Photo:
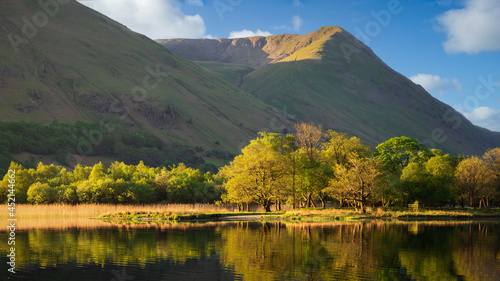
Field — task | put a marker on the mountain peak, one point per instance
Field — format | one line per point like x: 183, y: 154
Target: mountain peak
x: 254, y: 51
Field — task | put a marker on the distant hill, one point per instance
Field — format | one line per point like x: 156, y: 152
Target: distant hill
x: 82, y: 66
x: 330, y: 77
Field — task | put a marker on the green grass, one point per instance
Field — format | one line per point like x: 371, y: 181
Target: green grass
x: 234, y: 73
x: 168, y: 216
x: 308, y: 215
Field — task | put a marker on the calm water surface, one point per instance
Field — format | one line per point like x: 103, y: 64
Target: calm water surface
x: 258, y: 251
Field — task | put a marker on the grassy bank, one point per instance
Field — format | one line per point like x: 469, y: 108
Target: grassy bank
x: 319, y: 214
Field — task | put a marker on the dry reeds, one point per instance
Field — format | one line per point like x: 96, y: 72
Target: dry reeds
x: 96, y: 210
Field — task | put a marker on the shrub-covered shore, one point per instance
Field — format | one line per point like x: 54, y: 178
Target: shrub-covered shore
x: 278, y: 172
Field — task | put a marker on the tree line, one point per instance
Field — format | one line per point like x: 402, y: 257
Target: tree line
x: 313, y: 166
x: 300, y: 170
x: 118, y: 184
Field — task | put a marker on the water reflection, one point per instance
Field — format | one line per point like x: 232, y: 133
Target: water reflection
x: 373, y: 250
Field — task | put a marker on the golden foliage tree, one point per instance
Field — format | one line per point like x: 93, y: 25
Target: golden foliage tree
x: 357, y: 181
x: 258, y: 174
x: 473, y: 178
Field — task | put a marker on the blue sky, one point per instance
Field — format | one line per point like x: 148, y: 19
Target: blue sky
x: 451, y: 48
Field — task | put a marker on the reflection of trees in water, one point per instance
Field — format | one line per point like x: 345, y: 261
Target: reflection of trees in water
x: 267, y: 251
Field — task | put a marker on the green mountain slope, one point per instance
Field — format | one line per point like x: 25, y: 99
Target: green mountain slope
x: 330, y: 77
x: 82, y: 66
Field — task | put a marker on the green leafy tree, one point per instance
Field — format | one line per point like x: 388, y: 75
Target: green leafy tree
x: 81, y: 173
x: 67, y: 194
x: 180, y: 184
x: 428, y: 182
x: 397, y: 153
x: 440, y: 171
x: 98, y: 172
x: 40, y: 193
x: 23, y: 180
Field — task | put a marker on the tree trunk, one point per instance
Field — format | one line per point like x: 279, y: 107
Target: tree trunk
x: 266, y: 205
x: 322, y: 201
x: 308, y: 201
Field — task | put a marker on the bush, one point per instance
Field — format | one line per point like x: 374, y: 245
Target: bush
x: 40, y: 193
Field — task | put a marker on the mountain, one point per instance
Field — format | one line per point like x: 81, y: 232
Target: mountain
x: 330, y: 77
x: 68, y: 63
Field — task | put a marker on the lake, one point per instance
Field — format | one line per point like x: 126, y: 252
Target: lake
x: 372, y: 250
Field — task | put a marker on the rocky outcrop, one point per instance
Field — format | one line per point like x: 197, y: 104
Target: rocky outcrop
x: 25, y: 108
x: 158, y: 118
x: 10, y: 73
x: 95, y: 102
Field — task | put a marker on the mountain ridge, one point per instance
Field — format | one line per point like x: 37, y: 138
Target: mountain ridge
x: 330, y: 77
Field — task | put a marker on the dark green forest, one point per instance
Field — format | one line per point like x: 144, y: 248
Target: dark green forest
x: 63, y: 142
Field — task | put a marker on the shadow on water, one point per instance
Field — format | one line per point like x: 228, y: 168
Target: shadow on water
x: 376, y: 250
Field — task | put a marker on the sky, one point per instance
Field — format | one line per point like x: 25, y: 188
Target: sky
x: 450, y: 47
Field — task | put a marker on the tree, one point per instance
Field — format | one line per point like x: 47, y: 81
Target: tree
x: 309, y: 138
x: 440, y: 173
x: 98, y: 172
x: 473, y: 177
x: 24, y: 179
x: 397, y: 153
x: 492, y: 158
x: 340, y: 149
x: 257, y: 175
x: 356, y: 182
x: 427, y: 182
x: 311, y: 170
x: 181, y: 183
x: 40, y: 193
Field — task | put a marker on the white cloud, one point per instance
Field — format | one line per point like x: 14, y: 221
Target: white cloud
x: 248, y: 33
x: 157, y: 19
x: 198, y: 3
x: 296, y: 3
x: 485, y: 117
x: 435, y: 83
x: 297, y: 22
x: 472, y: 29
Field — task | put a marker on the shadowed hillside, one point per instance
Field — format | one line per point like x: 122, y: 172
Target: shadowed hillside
x: 82, y: 66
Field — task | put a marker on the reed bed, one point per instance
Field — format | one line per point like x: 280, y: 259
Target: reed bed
x: 97, y: 210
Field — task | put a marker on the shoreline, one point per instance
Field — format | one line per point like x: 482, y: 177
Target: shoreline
x: 218, y: 217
